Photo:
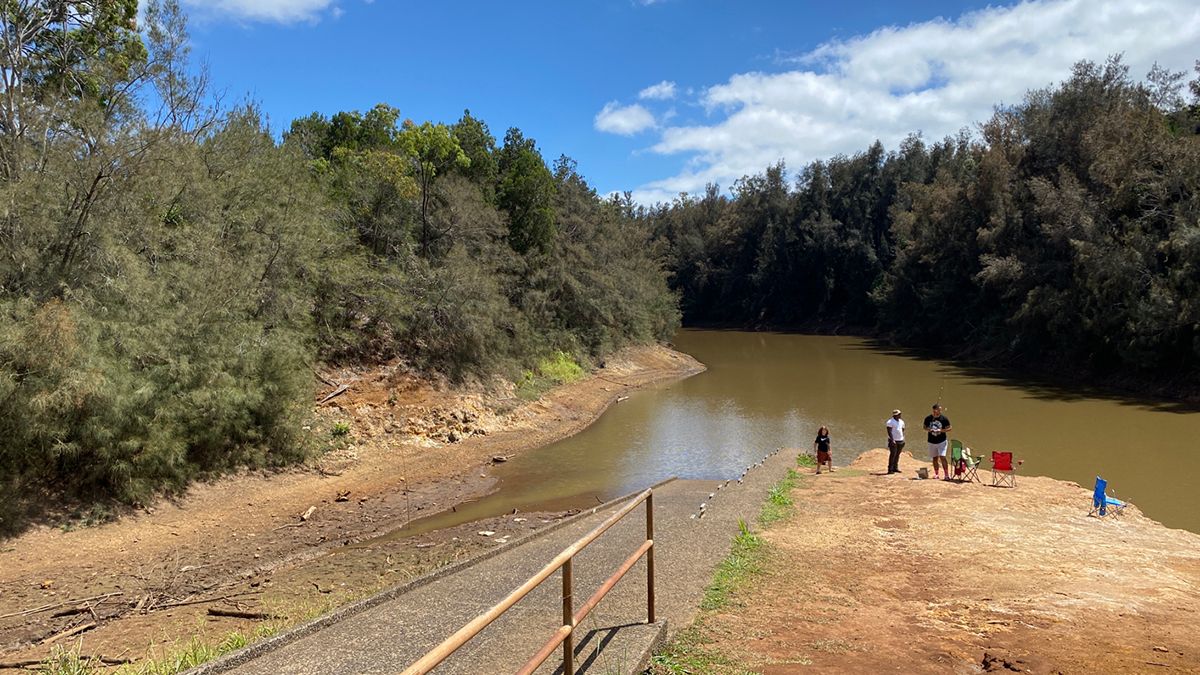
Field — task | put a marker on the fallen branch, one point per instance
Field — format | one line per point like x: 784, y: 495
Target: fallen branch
x: 69, y: 632
x: 234, y: 614
x: 185, y: 603
x: 342, y: 388
x: 46, y: 608
x: 321, y: 377
x: 30, y: 663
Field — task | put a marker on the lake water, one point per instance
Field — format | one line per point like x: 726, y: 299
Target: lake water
x: 763, y: 391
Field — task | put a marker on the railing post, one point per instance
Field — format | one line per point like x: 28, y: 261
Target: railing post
x: 650, y: 558
x: 568, y: 617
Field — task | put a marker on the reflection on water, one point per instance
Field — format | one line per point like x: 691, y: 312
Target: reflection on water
x: 766, y: 390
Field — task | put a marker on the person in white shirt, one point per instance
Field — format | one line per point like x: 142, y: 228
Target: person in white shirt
x: 895, y: 432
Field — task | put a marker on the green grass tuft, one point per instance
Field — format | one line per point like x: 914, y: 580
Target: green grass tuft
x: 559, y: 368
x: 744, y: 561
x: 64, y: 661
x: 689, y: 652
x: 779, y: 501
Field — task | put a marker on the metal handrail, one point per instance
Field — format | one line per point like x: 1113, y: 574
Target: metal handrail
x: 571, y: 618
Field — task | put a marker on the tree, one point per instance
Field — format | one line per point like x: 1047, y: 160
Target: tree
x: 479, y: 145
x: 59, y: 53
x: 526, y: 193
x: 433, y: 150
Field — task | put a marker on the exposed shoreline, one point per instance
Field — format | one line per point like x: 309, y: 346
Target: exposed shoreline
x: 243, y: 534
x: 876, y: 573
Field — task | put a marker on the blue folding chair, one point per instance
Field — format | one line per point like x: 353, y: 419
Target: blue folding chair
x: 1102, y: 504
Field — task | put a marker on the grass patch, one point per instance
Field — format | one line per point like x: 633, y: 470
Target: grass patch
x: 834, y: 646
x: 191, y: 654
x: 177, y: 659
x: 558, y: 368
x: 63, y: 661
x: 744, y: 561
x: 92, y: 515
x: 561, y: 368
x: 690, y: 653
x: 806, y: 460
x: 779, y: 500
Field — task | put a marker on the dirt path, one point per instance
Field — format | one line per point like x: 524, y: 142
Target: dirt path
x: 881, y: 573
x: 413, y: 448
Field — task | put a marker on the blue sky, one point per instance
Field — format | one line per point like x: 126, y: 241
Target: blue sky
x: 739, y: 84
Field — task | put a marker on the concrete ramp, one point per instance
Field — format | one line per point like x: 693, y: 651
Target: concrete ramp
x: 386, y: 633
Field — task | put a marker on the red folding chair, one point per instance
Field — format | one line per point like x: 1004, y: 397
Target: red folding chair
x: 1004, y: 472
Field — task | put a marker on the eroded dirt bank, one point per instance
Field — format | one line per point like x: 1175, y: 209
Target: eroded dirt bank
x: 880, y: 573
x: 413, y: 448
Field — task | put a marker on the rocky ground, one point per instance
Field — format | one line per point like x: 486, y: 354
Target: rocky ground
x: 879, y: 573
x: 290, y: 545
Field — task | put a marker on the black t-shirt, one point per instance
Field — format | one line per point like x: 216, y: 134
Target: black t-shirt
x: 822, y: 443
x: 935, y: 426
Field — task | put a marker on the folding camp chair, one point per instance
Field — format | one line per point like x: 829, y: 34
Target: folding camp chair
x: 965, y: 466
x: 1102, y: 504
x: 1003, y: 470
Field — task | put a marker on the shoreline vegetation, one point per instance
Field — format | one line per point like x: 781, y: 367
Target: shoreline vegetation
x: 861, y: 572
x: 238, y: 543
x: 174, y: 270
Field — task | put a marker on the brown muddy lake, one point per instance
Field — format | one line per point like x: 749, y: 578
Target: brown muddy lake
x: 763, y: 391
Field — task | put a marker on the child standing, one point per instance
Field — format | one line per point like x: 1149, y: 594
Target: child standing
x: 821, y: 444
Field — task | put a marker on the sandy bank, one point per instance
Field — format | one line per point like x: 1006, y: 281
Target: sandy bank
x: 879, y: 573
x: 414, y: 448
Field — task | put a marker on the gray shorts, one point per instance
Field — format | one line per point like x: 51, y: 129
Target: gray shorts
x: 937, y: 449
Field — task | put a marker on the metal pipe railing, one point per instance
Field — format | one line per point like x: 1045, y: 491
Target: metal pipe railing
x: 570, y: 618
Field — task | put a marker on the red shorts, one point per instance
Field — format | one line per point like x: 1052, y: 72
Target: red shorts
x: 823, y: 456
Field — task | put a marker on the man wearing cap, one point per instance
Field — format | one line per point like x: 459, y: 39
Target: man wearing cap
x: 937, y: 425
x: 895, y: 432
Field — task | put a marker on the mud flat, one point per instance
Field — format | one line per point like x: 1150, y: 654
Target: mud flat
x: 145, y: 584
x: 878, y: 573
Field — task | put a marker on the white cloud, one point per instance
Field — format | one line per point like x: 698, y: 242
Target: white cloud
x: 624, y: 120
x: 663, y: 91
x: 935, y: 77
x: 278, y: 11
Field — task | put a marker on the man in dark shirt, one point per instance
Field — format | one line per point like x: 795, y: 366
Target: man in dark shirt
x: 937, y: 425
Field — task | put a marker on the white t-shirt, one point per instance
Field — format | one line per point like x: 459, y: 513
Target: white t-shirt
x: 897, y: 427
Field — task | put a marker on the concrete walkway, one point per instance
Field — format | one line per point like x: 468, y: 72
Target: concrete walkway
x: 386, y: 633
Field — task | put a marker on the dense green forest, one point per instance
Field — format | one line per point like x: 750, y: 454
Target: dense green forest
x: 1066, y: 231
x: 170, y: 270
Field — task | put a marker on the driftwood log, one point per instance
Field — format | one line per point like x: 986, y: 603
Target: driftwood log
x: 69, y: 632
x: 235, y: 614
x: 31, y: 663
